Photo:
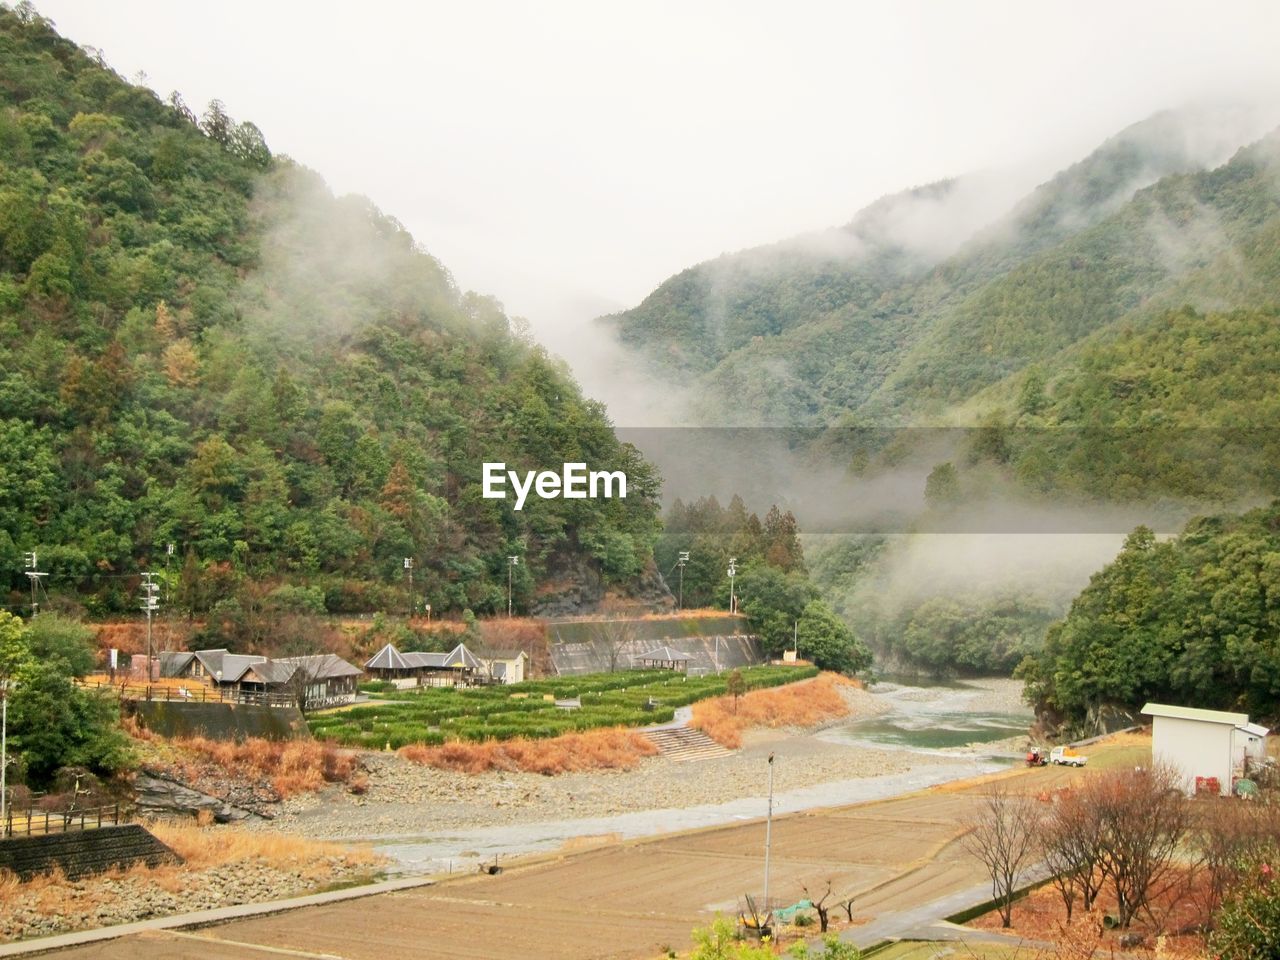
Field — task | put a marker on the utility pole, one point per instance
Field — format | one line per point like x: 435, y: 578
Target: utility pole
x: 684, y: 558
x: 149, y: 606
x: 4, y: 757
x: 768, y: 837
x: 733, y: 572
x: 408, y: 568
x: 34, y: 574
x: 512, y: 563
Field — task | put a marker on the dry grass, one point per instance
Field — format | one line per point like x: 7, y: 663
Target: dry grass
x: 202, y: 847
x: 291, y: 766
x: 615, y: 748
x: 804, y: 704
x: 297, y: 863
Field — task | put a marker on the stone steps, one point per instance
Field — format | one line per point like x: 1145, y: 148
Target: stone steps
x: 684, y: 744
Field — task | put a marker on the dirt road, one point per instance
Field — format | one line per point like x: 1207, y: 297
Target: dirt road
x: 632, y: 900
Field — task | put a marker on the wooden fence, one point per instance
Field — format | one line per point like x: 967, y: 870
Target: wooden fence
x: 189, y: 694
x: 32, y: 822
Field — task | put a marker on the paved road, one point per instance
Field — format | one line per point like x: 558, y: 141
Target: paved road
x: 901, y: 859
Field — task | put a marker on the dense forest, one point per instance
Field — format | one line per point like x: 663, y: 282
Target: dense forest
x: 1192, y: 620
x: 201, y: 346
x: 770, y: 585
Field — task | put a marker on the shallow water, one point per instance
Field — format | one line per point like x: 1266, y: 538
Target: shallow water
x: 928, y: 718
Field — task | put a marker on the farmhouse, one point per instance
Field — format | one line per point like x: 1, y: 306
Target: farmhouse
x: 1207, y: 748
x: 320, y: 680
x: 458, y: 667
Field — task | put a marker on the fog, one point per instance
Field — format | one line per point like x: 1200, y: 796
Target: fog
x: 571, y: 153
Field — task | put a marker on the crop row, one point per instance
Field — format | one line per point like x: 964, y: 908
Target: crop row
x: 634, y: 698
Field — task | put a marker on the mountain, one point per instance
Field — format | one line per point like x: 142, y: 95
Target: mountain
x: 201, y: 346
x: 927, y: 303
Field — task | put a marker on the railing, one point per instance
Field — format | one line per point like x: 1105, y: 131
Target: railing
x: 33, y: 823
x: 191, y: 694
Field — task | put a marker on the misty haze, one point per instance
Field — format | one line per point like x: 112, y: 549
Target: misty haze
x: 630, y: 480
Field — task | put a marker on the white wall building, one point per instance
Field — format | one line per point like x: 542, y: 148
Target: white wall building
x: 1195, y: 743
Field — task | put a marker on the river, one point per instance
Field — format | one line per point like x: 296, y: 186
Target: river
x: 943, y: 720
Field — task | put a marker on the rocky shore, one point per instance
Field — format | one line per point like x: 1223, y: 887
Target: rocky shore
x: 403, y: 796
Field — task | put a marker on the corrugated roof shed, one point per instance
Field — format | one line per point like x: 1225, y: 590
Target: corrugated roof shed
x: 1195, y: 713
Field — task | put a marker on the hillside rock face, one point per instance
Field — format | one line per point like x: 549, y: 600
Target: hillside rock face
x: 577, y: 589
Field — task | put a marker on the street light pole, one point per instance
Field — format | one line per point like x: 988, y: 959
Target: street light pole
x: 733, y: 572
x: 4, y: 757
x: 512, y: 563
x: 149, y: 605
x: 684, y: 558
x: 768, y: 836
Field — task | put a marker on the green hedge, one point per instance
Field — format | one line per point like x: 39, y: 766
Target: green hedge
x: 434, y: 714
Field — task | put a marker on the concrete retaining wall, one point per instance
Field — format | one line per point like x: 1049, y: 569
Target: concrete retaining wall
x: 219, y: 721
x: 79, y: 853
x: 595, y: 656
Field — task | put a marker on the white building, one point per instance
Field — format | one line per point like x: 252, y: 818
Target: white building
x: 1197, y: 744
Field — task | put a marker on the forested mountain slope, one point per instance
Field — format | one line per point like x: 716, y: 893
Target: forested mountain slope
x: 1193, y: 620
x: 200, y: 345
x: 1136, y: 220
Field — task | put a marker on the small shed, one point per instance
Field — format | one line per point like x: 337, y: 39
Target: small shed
x: 664, y: 658
x: 1198, y: 744
x: 505, y: 666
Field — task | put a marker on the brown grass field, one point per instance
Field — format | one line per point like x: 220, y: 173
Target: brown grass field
x: 614, y: 748
x: 289, y: 766
x: 804, y: 704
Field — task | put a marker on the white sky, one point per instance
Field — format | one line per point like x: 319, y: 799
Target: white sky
x: 568, y: 156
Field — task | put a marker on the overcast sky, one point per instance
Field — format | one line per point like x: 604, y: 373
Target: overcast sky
x: 568, y: 156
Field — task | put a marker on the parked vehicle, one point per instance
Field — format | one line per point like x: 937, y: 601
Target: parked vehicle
x: 1037, y: 757
x: 1067, y: 757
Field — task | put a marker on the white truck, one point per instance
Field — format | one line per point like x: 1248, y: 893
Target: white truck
x: 1067, y: 757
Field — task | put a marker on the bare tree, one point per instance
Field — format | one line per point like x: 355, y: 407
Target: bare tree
x: 612, y: 636
x: 1073, y: 849
x: 1002, y: 833
x: 1225, y: 834
x: 1144, y: 820
x: 824, y: 911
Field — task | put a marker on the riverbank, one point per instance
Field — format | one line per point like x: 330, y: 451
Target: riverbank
x: 403, y: 799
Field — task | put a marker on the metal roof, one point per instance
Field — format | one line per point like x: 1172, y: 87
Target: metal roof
x: 1254, y: 729
x: 664, y: 653
x: 1195, y: 713
x: 388, y: 658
